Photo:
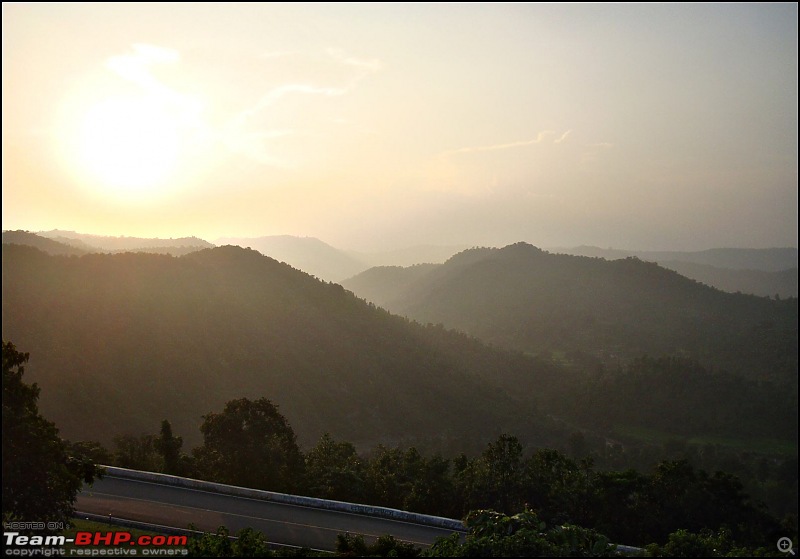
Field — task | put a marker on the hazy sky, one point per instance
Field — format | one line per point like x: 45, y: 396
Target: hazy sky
x: 380, y: 126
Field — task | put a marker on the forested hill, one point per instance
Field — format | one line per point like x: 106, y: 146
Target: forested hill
x: 765, y: 272
x: 42, y: 243
x: 119, y: 342
x: 575, y: 308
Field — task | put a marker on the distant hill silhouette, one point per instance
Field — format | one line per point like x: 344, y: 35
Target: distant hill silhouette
x: 329, y: 263
x: 764, y: 272
x: 754, y: 282
x: 523, y: 298
x: 102, y: 243
x: 308, y: 254
x: 410, y: 256
x: 766, y: 259
x: 119, y: 342
x: 384, y: 284
x: 49, y: 246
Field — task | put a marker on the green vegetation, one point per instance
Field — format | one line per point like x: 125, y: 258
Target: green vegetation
x: 348, y: 545
x: 681, y: 397
x: 249, y: 433
x: 769, y: 447
x: 41, y: 474
x: 246, y: 543
x: 625, y: 505
x: 492, y: 534
x: 251, y: 444
x: 594, y: 310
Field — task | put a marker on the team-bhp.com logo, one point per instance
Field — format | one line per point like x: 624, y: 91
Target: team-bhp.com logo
x: 95, y: 544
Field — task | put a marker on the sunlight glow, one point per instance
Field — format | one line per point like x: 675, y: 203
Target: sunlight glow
x: 130, y: 144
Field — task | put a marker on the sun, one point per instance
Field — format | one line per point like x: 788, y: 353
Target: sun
x: 131, y: 145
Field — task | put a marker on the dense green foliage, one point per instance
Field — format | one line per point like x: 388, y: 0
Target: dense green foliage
x: 246, y: 543
x: 334, y: 470
x: 492, y: 534
x: 523, y: 298
x: 41, y: 473
x: 353, y: 545
x: 683, y: 398
x: 250, y: 444
x: 169, y: 447
x: 627, y: 506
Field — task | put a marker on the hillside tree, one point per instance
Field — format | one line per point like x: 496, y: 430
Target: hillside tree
x: 252, y: 445
x: 42, y: 474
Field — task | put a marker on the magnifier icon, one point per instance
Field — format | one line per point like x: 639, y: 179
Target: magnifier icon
x: 785, y: 546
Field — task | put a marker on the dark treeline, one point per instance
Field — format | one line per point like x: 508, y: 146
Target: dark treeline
x: 679, y: 396
x: 558, y: 502
x: 251, y: 444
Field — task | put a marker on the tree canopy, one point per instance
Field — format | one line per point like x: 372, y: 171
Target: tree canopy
x: 250, y: 444
x: 41, y: 473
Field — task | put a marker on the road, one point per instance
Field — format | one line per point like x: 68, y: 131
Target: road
x: 282, y: 523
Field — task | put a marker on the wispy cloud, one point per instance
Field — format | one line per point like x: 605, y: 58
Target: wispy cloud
x: 562, y: 137
x: 540, y: 137
x: 240, y: 139
x: 136, y: 67
x: 251, y: 131
x: 368, y: 65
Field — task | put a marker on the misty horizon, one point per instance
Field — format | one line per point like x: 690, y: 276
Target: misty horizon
x: 229, y: 239
x: 377, y: 127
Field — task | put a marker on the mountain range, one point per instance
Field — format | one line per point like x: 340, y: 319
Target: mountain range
x: 764, y: 272
x: 766, y: 259
x: 581, y: 309
x: 120, y: 341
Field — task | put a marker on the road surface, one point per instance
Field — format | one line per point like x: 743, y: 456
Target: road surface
x: 282, y: 523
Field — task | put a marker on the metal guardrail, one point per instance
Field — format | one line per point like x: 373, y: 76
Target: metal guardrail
x: 299, y: 500
x: 342, y: 506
